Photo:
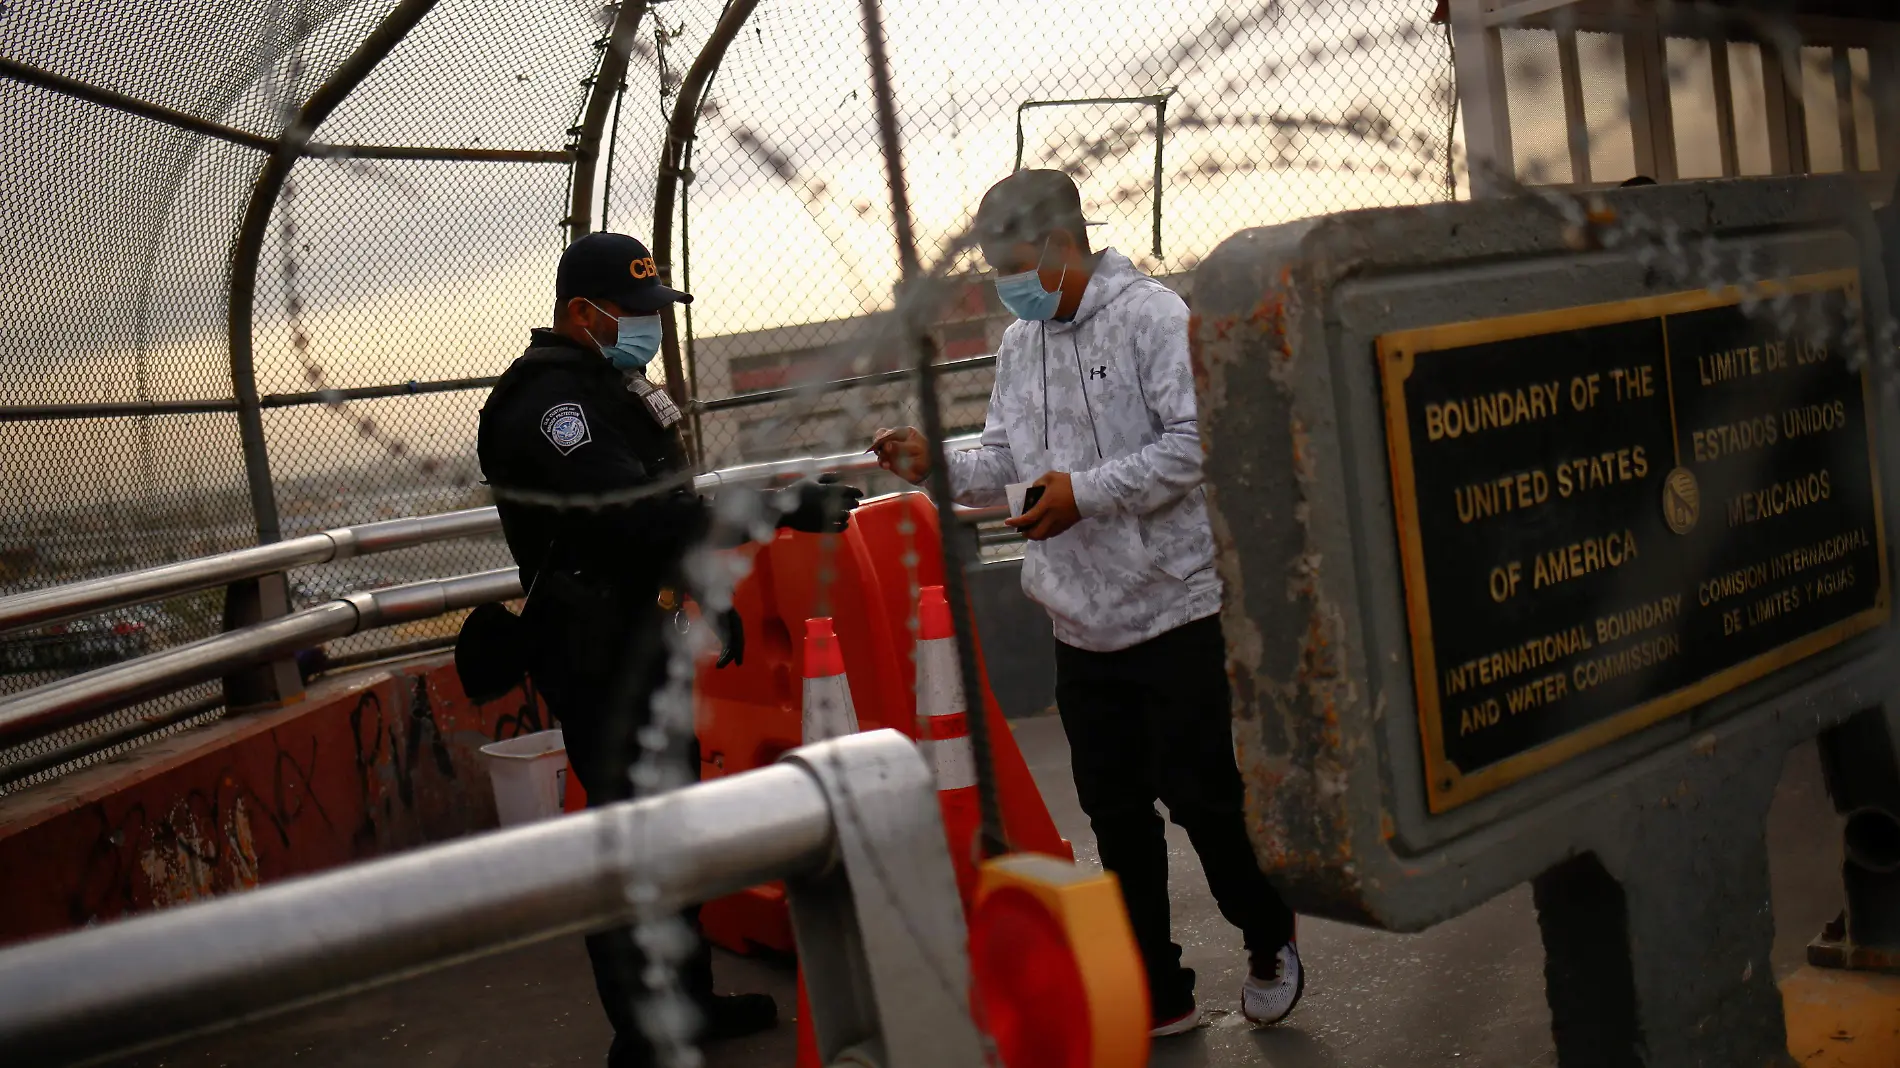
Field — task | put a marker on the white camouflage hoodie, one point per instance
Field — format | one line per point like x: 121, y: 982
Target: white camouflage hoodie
x: 1109, y: 398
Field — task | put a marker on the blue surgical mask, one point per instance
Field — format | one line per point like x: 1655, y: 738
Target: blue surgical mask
x: 1023, y: 294
x: 636, y: 344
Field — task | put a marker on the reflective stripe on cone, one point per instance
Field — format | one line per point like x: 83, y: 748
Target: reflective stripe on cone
x: 944, y: 726
x: 828, y: 711
x: 947, y: 738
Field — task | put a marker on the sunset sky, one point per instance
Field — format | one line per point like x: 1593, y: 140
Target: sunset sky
x: 432, y: 270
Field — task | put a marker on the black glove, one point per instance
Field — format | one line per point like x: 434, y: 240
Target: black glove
x: 824, y: 506
x: 731, y: 631
x: 489, y: 653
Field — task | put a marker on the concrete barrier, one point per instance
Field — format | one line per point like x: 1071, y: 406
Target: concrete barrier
x: 1383, y: 786
x: 371, y: 763
x: 378, y: 761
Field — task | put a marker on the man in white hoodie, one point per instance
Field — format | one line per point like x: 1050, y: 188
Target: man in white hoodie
x: 1094, y: 402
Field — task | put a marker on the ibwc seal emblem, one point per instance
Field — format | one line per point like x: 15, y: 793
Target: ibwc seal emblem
x: 565, y: 425
x: 1682, y: 500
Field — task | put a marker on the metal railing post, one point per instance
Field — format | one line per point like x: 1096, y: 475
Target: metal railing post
x: 1861, y: 762
x: 273, y: 683
x: 680, y: 130
x: 880, y: 934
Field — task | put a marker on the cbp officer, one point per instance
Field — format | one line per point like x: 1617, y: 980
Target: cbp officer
x: 597, y: 506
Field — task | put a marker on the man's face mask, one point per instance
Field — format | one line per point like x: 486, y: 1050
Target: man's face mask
x: 636, y: 343
x: 1023, y: 294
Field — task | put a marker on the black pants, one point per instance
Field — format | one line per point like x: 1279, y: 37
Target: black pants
x: 601, y: 713
x: 1153, y: 722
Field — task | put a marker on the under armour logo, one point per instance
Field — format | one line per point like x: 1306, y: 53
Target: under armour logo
x: 1099, y: 372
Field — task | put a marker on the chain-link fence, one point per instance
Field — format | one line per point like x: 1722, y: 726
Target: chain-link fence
x: 404, y: 257
x: 786, y: 230
x: 394, y: 269
x: 207, y: 349
x: 399, y: 262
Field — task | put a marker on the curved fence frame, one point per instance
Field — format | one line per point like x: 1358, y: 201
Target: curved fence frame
x: 297, y: 142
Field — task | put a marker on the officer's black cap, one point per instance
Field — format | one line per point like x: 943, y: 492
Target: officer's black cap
x: 613, y: 267
x: 1027, y: 207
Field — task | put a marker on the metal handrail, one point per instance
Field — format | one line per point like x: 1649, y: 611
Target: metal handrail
x: 51, y: 707
x: 44, y: 709
x: 830, y: 820
x: 56, y: 604
x: 121, y: 985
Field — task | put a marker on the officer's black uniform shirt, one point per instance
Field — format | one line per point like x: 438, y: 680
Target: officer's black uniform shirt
x: 563, y: 421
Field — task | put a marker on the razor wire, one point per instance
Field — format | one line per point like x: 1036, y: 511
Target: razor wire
x: 1585, y: 222
x: 809, y: 297
x: 324, y: 326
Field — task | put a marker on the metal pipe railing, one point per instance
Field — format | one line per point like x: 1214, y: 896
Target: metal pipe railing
x: 126, y: 985
x: 59, y: 603
x: 56, y: 604
x: 839, y: 463
x: 45, y: 709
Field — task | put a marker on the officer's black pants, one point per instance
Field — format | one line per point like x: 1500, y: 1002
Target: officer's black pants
x: 600, y: 718
x: 1154, y: 721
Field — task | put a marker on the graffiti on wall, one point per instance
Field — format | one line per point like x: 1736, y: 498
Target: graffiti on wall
x: 385, y: 764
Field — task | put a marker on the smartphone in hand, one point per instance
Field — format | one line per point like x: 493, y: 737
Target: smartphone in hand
x: 1031, y: 496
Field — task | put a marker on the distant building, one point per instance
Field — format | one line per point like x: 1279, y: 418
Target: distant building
x: 729, y: 367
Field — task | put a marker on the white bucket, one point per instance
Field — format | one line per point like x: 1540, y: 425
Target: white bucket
x: 529, y: 774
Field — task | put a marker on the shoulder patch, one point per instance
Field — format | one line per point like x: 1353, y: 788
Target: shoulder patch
x: 565, y: 425
x: 659, y: 405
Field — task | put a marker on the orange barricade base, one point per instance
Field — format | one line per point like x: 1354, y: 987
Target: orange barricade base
x: 749, y: 714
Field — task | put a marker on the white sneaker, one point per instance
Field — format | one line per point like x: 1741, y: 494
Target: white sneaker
x: 1179, y: 1025
x: 1267, y: 1001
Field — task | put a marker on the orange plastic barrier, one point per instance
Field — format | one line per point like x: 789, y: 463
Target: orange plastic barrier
x: 1053, y: 963
x: 749, y: 714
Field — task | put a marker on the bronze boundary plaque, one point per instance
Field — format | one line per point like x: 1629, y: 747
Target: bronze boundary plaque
x: 1627, y: 340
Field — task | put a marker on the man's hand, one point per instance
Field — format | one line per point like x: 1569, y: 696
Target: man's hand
x: 1054, y: 512
x: 904, y: 452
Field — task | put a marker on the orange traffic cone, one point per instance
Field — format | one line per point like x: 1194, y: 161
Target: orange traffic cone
x: 829, y: 713
x: 944, y: 724
x: 807, y: 1037
x: 828, y: 709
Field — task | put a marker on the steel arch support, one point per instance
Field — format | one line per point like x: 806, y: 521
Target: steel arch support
x: 600, y: 97
x: 680, y: 131
x: 276, y: 682
x: 249, y: 244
